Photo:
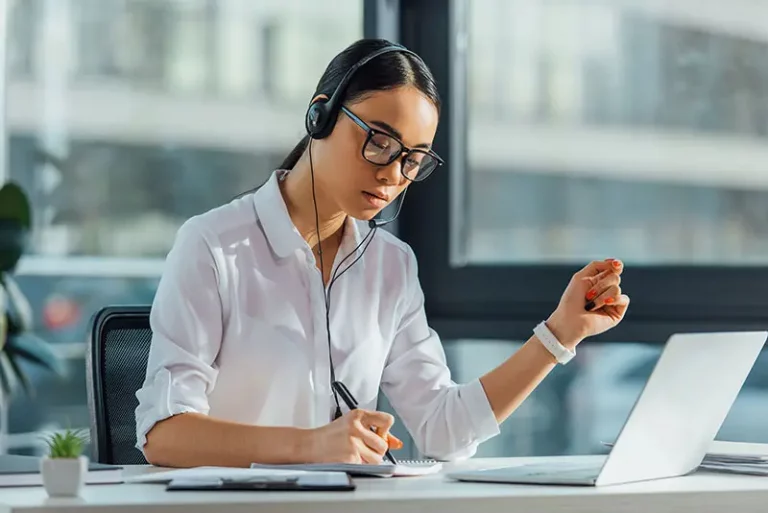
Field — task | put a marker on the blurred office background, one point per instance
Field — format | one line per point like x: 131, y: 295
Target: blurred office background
x: 593, y: 128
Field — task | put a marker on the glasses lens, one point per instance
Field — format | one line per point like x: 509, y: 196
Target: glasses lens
x: 418, y: 165
x: 381, y: 149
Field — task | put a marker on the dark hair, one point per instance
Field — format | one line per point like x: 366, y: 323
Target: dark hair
x: 387, y: 71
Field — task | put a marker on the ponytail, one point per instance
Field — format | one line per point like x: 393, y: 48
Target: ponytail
x: 289, y: 162
x: 295, y: 154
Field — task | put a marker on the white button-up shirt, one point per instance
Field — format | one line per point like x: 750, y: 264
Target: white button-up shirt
x: 238, y: 332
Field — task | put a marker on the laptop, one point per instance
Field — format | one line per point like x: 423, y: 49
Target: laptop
x: 672, y: 424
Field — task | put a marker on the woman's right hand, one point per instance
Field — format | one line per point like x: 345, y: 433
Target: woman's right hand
x: 350, y: 439
x: 592, y: 303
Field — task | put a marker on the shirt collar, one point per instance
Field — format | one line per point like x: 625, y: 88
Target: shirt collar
x: 279, y: 229
x: 352, y: 239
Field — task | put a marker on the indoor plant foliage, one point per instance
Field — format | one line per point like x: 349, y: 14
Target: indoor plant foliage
x: 64, y: 467
x: 17, y: 342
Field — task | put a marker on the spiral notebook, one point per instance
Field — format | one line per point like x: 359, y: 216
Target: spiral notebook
x: 402, y: 469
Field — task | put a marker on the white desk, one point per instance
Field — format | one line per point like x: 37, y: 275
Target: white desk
x: 700, y: 493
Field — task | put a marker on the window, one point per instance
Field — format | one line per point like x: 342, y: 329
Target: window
x: 124, y: 119
x: 575, y: 131
x: 572, y: 130
x: 631, y: 78
x: 584, y: 404
x: 601, y: 128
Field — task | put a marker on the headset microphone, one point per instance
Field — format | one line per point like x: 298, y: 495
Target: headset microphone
x: 378, y: 223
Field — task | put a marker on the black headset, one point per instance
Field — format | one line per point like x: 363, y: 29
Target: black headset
x: 322, y: 114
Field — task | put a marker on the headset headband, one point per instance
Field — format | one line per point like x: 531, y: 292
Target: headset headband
x: 321, y: 115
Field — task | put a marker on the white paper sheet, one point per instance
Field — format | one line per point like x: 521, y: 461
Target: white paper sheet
x: 415, y: 468
x: 207, y: 473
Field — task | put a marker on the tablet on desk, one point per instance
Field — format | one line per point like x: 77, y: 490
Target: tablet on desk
x: 314, y: 482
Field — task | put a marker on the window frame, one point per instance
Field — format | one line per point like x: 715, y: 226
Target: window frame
x: 505, y: 301
x: 4, y: 142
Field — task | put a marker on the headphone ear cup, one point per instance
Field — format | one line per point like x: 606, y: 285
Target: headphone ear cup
x: 317, y: 120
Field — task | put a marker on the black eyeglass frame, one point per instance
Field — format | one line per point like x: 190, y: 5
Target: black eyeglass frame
x: 404, y: 152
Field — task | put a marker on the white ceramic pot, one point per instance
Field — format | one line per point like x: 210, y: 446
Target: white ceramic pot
x: 63, y: 477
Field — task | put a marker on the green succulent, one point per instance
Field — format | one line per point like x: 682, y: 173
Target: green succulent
x: 67, y: 444
x: 17, y: 340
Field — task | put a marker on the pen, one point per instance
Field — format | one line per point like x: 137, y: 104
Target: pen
x: 346, y: 396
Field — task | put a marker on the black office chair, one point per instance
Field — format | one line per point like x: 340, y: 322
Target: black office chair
x: 116, y: 362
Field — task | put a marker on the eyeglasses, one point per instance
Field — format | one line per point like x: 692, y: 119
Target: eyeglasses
x: 382, y: 148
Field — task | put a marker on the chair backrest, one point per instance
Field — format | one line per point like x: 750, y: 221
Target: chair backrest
x: 117, y: 355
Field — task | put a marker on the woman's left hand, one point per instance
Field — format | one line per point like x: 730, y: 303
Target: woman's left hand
x: 592, y: 303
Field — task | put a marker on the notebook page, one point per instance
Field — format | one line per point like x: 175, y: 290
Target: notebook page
x: 417, y: 468
x: 403, y: 468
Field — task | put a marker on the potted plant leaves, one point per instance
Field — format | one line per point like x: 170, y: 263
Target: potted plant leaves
x: 64, y: 467
x: 18, y: 343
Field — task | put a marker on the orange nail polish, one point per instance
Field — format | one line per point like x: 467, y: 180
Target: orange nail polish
x: 394, y: 442
x: 609, y: 300
x: 592, y: 294
x: 616, y: 263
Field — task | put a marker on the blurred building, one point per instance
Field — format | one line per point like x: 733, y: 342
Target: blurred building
x: 617, y: 127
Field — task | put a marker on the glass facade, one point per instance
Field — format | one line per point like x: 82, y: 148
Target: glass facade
x: 124, y: 119
x: 594, y: 129
x: 615, y: 128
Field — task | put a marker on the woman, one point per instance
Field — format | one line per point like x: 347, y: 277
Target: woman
x: 268, y: 300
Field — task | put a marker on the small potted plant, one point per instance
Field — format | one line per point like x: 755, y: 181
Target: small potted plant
x: 64, y: 467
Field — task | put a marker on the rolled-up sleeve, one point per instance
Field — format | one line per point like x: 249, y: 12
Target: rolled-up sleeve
x: 447, y: 420
x: 186, y: 323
